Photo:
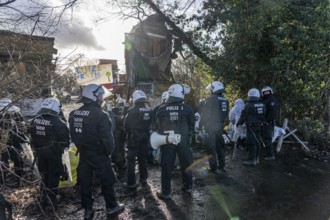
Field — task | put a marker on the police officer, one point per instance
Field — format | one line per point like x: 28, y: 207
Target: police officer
x: 90, y: 129
x: 153, y: 120
x: 271, y: 117
x: 253, y: 115
x: 214, y: 113
x: 49, y: 137
x: 118, y: 155
x: 137, y: 125
x: 176, y: 116
x: 164, y: 98
x: 112, y: 116
x: 12, y: 132
x: 153, y: 155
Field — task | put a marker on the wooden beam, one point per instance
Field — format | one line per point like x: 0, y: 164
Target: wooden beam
x: 302, y: 143
x: 291, y: 132
x: 286, y: 128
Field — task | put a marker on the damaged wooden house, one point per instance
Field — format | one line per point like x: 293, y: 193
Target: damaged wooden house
x: 148, y: 49
x: 26, y: 64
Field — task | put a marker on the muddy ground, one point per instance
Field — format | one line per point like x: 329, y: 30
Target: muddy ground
x: 292, y: 187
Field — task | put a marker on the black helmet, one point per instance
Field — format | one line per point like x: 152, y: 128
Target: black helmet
x: 266, y: 90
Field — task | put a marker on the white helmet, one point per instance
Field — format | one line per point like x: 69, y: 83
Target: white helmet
x: 5, y: 102
x: 13, y: 109
x: 216, y: 87
x: 177, y: 91
x: 50, y: 106
x: 253, y: 94
x: 110, y: 106
x: 266, y: 90
x: 139, y: 96
x: 120, y: 101
x: 164, y: 96
x: 94, y: 93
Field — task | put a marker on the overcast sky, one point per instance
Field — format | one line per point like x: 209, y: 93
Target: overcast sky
x: 97, y: 40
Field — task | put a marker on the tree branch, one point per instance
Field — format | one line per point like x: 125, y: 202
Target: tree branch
x: 7, y: 3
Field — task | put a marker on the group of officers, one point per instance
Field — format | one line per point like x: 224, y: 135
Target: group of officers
x: 100, y: 140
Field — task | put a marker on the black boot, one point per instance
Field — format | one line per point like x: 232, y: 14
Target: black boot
x: 250, y: 163
x: 89, y: 214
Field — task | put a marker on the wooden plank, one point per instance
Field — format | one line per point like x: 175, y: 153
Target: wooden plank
x: 291, y: 132
x: 302, y: 143
x: 280, y: 141
x: 294, y: 142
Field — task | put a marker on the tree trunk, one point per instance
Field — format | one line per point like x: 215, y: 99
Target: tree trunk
x: 328, y: 112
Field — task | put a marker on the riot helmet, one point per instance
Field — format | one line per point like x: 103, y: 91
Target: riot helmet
x: 6, y: 105
x: 216, y: 87
x: 110, y: 106
x: 176, y: 92
x: 253, y: 95
x: 266, y: 90
x: 50, y: 106
x: 164, y: 96
x: 5, y: 102
x: 139, y: 96
x: 94, y: 93
x: 120, y: 102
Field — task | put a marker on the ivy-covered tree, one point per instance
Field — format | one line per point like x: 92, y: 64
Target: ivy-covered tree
x: 283, y: 44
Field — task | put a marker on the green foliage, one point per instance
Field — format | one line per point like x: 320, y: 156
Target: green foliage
x: 313, y: 131
x: 196, y: 74
x: 283, y: 44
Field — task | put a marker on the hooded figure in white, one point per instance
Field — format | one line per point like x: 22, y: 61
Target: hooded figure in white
x: 234, y: 115
x: 236, y: 111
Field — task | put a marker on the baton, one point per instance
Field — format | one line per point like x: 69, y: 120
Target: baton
x: 226, y: 133
x: 255, y: 137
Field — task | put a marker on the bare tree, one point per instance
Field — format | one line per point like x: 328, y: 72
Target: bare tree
x: 26, y: 50
x: 27, y: 66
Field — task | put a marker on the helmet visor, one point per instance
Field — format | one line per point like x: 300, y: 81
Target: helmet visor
x: 186, y: 89
x: 209, y: 87
x: 102, y: 93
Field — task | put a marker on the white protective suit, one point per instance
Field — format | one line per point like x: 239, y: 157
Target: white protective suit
x: 234, y: 115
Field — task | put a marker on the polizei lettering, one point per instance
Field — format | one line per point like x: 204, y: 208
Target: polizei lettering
x: 42, y: 121
x: 172, y: 108
x: 259, y: 107
x: 81, y: 113
x: 144, y: 110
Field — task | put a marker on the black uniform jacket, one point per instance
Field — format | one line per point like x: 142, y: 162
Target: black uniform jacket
x: 49, y: 130
x: 90, y: 129
x: 175, y: 116
x: 253, y: 114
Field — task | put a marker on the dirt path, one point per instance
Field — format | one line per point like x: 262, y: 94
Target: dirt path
x: 291, y: 187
